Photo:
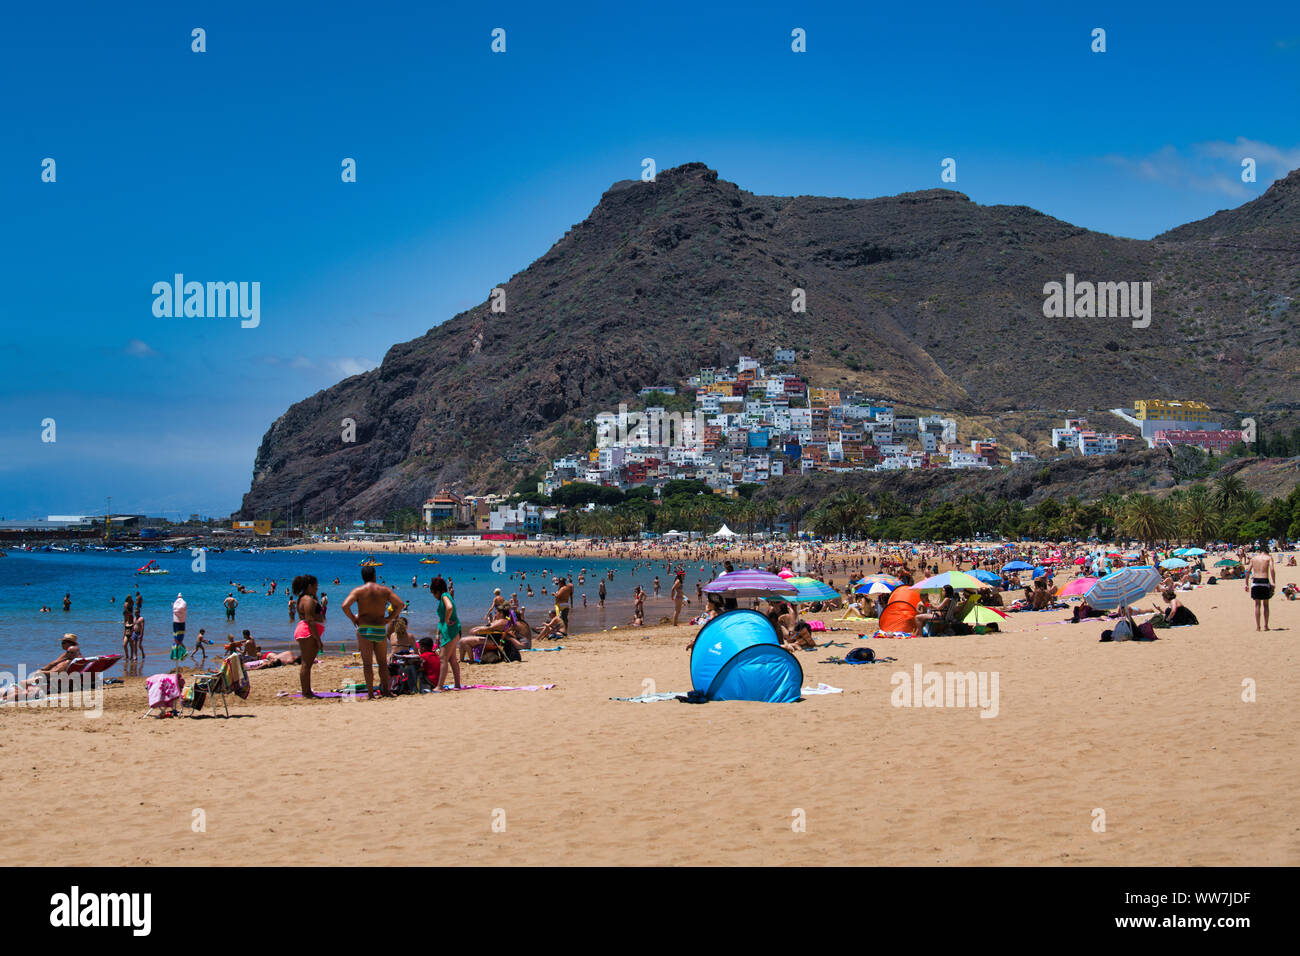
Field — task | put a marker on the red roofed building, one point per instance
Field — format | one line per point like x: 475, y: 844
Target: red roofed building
x: 1217, y: 441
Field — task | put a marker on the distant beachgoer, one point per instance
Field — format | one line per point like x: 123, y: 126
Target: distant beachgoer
x: 292, y: 602
x: 324, y: 604
x: 1263, y: 579
x: 377, y: 605
x: 677, y: 595
x: 448, y: 632
x: 600, y: 593
x: 67, y: 602
x: 309, y: 629
x: 137, y: 636
x: 563, y: 604
x: 200, y: 644
x: 231, y: 602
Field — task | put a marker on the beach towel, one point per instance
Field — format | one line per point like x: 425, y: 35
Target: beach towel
x: 821, y: 689
x: 843, y: 660
x: 651, y: 698
x: 817, y: 625
x: 542, y: 649
x: 164, y: 690
x: 901, y: 635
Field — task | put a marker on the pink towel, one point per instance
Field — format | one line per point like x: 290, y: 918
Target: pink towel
x: 164, y: 690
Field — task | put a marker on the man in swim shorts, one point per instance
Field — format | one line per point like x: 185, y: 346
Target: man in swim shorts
x: 376, y: 606
x: 1263, y: 578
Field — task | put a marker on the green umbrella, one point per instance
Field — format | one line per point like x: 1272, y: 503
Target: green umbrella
x: 1227, y: 563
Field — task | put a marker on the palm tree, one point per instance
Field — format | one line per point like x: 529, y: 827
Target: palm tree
x: 1197, y: 518
x: 1147, y: 519
x: 1228, y: 490
x: 793, y: 507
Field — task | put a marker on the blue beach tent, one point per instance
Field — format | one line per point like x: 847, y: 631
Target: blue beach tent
x: 737, y: 656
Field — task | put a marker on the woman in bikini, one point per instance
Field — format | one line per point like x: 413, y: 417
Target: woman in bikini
x: 448, y: 633
x: 309, y: 630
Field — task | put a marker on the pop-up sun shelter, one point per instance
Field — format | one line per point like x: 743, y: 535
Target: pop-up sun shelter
x: 737, y: 656
x: 899, y: 615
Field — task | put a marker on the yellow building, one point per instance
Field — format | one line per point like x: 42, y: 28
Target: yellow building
x: 823, y: 397
x: 257, y: 527
x: 1155, y: 409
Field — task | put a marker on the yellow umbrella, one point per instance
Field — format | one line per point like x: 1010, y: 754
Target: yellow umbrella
x: 980, y: 614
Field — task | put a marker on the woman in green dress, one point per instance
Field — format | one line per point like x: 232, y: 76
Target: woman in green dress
x: 448, y: 633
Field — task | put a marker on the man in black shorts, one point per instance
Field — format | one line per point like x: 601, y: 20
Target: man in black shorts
x: 1261, y: 581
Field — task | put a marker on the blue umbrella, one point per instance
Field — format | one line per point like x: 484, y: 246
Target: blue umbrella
x: 988, y: 577
x: 1173, y: 563
x: 1191, y: 552
x: 1123, y: 587
x: 1038, y: 572
x: 1017, y: 566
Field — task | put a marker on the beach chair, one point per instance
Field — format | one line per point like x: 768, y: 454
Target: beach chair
x: 232, y: 678
x: 92, y: 666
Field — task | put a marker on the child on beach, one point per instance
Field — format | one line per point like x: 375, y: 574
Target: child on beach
x: 200, y: 647
x: 430, y: 661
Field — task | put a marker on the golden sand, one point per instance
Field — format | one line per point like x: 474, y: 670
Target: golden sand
x: 1156, y: 736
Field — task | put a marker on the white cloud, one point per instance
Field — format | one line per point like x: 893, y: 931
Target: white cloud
x: 302, y: 361
x: 1213, y: 166
x: 139, y: 349
x: 353, y: 366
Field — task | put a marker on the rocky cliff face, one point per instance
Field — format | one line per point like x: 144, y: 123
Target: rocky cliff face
x: 925, y: 298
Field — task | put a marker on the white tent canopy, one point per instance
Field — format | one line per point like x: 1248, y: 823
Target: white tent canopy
x: 724, y: 532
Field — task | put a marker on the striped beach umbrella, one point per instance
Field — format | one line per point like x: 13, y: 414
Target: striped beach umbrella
x: 889, y: 579
x: 1123, y: 587
x: 810, y: 589
x: 875, y: 587
x: 960, y: 581
x: 750, y: 582
x: 980, y: 614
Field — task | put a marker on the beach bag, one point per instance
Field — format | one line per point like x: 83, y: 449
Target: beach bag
x: 1158, y: 620
x: 1145, y: 632
x: 1122, y: 632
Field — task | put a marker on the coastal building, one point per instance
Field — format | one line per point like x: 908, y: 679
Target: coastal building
x: 1156, y: 414
x: 783, y: 356
x: 446, y: 506
x: 1216, y: 441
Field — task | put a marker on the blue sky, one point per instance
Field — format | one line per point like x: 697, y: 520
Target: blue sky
x: 225, y: 166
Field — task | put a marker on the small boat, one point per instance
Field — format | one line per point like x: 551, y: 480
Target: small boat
x: 372, y: 563
x: 429, y: 561
x: 152, y: 568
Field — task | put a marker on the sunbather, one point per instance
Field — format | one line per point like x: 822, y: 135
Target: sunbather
x: 35, y: 685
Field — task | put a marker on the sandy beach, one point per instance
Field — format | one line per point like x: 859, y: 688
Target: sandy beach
x: 1155, y: 735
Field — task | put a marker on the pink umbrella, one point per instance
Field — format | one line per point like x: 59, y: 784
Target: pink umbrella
x: 1080, y: 560
x: 785, y: 573
x: 1077, y: 586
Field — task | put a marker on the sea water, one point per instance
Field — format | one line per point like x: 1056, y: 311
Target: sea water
x: 98, y: 581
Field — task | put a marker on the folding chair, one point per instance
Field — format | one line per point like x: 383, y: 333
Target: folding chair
x: 231, y: 679
x: 93, y: 665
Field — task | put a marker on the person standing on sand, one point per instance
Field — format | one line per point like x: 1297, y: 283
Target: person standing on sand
x: 448, y: 633
x: 377, y: 605
x: 563, y: 602
x: 1262, y: 581
x: 309, y: 629
x: 677, y: 596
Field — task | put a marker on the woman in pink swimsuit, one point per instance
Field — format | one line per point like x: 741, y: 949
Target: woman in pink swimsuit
x: 310, y: 628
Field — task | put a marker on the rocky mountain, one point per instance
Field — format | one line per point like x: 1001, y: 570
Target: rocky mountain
x: 925, y: 299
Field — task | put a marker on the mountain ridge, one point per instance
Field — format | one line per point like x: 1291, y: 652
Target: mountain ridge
x: 925, y: 298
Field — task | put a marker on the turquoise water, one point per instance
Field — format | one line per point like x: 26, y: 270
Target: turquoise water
x: 98, y: 581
